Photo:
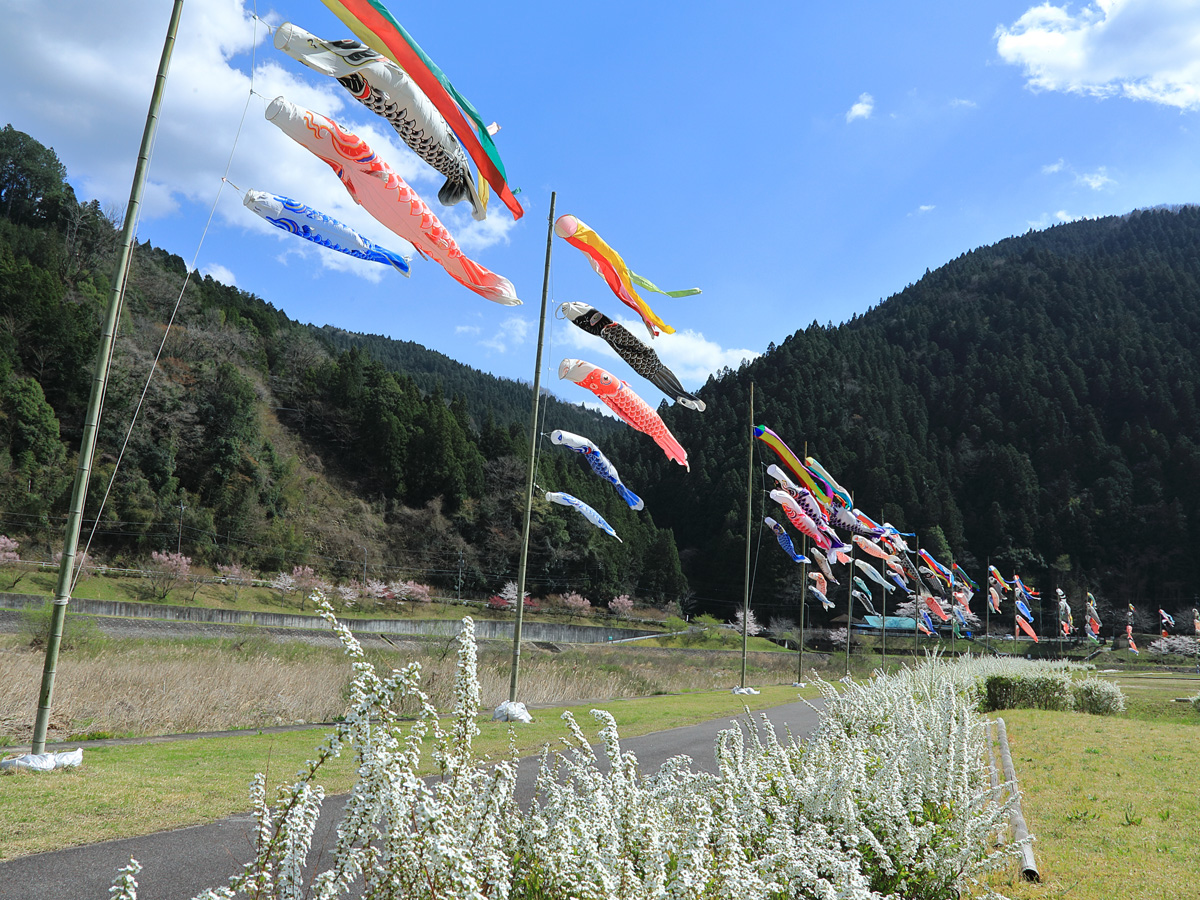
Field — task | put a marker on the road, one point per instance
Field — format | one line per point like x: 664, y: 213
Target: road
x: 181, y: 863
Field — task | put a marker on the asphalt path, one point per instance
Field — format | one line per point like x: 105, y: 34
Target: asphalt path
x: 181, y: 863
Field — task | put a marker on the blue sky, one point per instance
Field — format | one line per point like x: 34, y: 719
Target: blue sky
x: 798, y: 161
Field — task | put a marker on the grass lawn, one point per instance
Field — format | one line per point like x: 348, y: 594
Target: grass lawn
x: 123, y: 791
x: 1112, y: 802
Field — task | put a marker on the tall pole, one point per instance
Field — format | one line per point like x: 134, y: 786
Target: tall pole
x: 803, y: 597
x: 515, y: 676
x: 87, y: 445
x: 179, y: 540
x: 849, y: 605
x: 749, y: 528
x: 987, y: 605
x: 917, y: 602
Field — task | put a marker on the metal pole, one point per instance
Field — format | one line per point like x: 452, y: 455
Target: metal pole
x: 749, y: 527
x: 87, y: 446
x: 515, y: 676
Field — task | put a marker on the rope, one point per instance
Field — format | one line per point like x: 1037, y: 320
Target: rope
x: 178, y: 301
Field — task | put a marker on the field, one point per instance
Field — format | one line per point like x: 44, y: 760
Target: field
x: 1111, y: 801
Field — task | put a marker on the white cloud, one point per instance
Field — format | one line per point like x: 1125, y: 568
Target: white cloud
x: 1139, y: 49
x: 220, y: 273
x: 862, y: 109
x: 926, y: 208
x: 512, y: 333
x: 467, y: 329
x: 689, y: 354
x: 1095, y: 180
x: 1045, y: 220
x: 959, y: 102
x: 100, y: 101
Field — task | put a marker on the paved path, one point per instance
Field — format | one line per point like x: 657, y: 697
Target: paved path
x: 179, y: 864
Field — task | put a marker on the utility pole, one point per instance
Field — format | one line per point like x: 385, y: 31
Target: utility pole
x: 364, y: 550
x: 179, y: 541
x: 458, y: 582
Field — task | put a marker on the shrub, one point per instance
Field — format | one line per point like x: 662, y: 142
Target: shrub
x: 1098, y: 697
x: 1196, y: 703
x: 889, y: 797
x: 1032, y: 691
x: 78, y: 631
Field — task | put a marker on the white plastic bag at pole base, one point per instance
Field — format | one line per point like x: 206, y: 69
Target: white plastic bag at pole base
x: 511, y: 711
x: 44, y: 762
x: 745, y: 690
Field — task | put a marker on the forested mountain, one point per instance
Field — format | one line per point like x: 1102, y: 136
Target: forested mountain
x: 269, y: 443
x: 1032, y: 404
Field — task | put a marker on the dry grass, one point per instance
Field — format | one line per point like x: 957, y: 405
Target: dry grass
x: 115, y: 687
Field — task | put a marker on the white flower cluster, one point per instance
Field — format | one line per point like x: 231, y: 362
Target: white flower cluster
x: 890, y: 796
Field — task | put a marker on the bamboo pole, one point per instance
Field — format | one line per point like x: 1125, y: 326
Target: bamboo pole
x: 803, y: 597
x: 87, y: 446
x: 515, y: 674
x: 749, y: 528
x: 849, y: 605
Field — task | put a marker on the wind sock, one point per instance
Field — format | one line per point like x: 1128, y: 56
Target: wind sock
x: 935, y: 606
x: 775, y: 442
x: 1065, y: 620
x: 999, y: 579
x: 861, y: 585
x: 1029, y: 631
x: 384, y: 194
x: 1165, y: 620
x: 588, y: 513
x: 873, y: 573
x: 820, y: 582
x: 962, y: 618
x: 1196, y: 620
x: 933, y: 581
x: 609, y: 266
x: 1024, y: 610
x: 865, y: 600
x: 641, y: 358
x: 821, y: 596
x: 618, y: 396
x: 384, y: 88
x: 844, y: 519
x: 823, y: 565
x: 785, y: 540
x: 870, y: 547
x: 325, y: 231
x: 900, y: 583
x: 925, y: 626
x: 599, y: 463
x: 374, y: 26
x: 1028, y: 592
x: 938, y: 569
x: 893, y: 563
x: 1129, y: 637
x: 994, y: 599
x: 838, y: 491
x: 1093, y: 617
x: 803, y: 496
x: 799, y: 519
x: 957, y: 570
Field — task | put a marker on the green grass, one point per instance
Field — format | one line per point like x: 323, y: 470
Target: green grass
x: 123, y: 791
x: 1112, y: 801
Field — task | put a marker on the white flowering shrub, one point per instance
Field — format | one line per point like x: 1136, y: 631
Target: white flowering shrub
x: 1175, y: 645
x: 752, y: 626
x: 891, y: 796
x: 1098, y: 697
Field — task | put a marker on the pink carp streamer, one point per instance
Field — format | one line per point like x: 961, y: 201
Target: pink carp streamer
x: 386, y: 196
x: 618, y: 396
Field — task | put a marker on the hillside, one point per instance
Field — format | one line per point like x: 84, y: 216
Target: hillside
x: 1032, y: 404
x: 271, y: 444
